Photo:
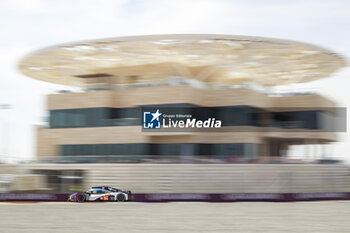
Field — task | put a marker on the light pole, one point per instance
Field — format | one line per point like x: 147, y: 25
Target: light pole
x: 5, y: 135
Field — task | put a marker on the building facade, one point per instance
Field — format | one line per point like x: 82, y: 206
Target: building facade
x: 117, y: 78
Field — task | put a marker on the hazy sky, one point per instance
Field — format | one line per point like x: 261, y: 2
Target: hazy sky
x: 28, y: 25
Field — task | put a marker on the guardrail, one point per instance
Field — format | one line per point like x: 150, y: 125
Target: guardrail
x: 193, y: 197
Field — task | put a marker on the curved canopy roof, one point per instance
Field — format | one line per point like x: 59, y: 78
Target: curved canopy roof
x: 219, y: 59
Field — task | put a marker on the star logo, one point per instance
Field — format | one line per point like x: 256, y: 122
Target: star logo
x: 156, y: 115
x: 151, y: 120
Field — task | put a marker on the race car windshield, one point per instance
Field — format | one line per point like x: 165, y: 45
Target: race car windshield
x: 99, y: 191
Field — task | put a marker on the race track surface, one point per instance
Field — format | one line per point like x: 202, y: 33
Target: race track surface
x: 175, y: 217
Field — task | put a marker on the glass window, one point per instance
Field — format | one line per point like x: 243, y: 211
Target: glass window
x: 99, y: 191
x: 205, y: 149
x: 168, y: 149
x: 156, y: 149
x: 57, y: 119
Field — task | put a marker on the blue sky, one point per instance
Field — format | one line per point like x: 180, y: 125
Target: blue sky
x: 27, y: 25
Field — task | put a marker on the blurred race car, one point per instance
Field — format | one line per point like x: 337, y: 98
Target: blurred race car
x: 103, y: 193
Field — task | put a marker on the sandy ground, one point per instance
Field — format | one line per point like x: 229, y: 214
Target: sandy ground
x: 175, y: 217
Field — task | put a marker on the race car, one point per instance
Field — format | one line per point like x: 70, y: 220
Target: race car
x: 103, y: 193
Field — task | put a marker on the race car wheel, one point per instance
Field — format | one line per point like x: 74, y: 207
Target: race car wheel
x: 120, y: 197
x: 81, y: 197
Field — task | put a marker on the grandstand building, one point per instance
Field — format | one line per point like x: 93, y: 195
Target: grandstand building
x: 225, y: 77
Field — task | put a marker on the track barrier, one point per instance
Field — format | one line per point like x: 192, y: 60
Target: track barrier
x: 194, y: 197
